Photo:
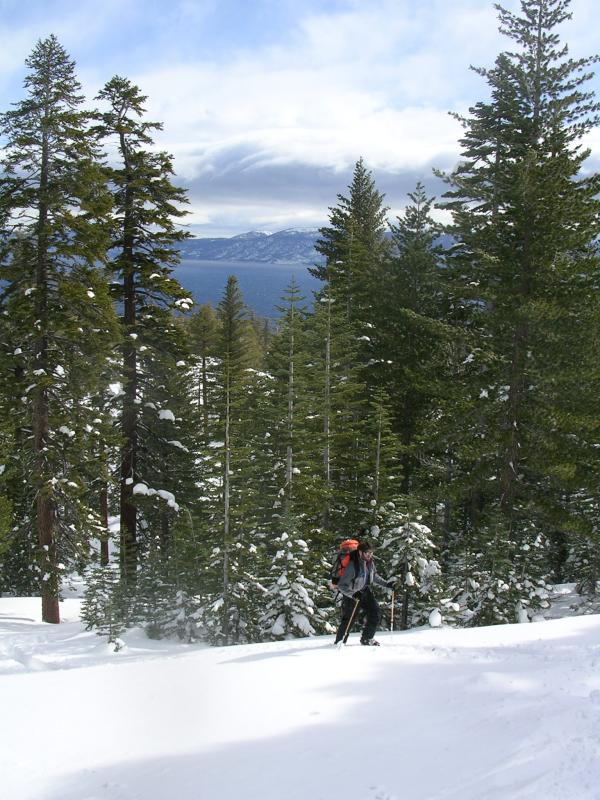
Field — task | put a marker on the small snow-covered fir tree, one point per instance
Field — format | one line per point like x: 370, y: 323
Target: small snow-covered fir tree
x: 155, y: 597
x: 584, y: 561
x: 101, y: 608
x: 498, y: 589
x: 409, y: 552
x: 184, y: 620
x: 233, y: 618
x: 186, y: 569
x: 290, y: 605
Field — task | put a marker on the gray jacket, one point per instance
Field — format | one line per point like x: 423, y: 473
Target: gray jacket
x: 354, y: 580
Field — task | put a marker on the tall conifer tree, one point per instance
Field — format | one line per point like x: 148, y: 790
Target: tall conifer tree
x: 146, y: 207
x: 353, y: 246
x: 231, y: 521
x: 54, y: 205
x: 521, y: 277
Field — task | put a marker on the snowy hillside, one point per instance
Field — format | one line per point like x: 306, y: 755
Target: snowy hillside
x: 503, y: 713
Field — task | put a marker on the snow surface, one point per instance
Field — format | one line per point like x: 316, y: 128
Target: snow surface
x: 502, y: 713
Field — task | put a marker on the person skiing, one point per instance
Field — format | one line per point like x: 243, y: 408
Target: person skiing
x: 355, y: 587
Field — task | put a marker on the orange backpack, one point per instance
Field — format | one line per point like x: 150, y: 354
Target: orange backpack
x: 347, y: 548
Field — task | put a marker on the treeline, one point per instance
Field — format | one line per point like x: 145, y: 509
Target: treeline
x: 442, y: 393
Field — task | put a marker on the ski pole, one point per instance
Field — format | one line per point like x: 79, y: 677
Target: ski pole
x: 350, y: 621
x: 393, y: 604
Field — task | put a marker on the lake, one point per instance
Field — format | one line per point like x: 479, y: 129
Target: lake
x: 262, y: 285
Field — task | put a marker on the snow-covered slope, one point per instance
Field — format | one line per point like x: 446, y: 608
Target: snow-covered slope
x: 503, y: 713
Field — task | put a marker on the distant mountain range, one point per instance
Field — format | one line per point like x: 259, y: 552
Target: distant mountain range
x: 291, y: 246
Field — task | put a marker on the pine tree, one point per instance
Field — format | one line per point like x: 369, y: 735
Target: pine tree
x: 146, y: 206
x: 521, y: 276
x: 290, y: 605
x: 102, y: 608
x: 55, y: 301
x: 354, y: 248
x: 232, y: 377
x: 353, y: 245
x: 189, y: 574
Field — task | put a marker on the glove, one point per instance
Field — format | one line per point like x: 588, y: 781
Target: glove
x: 391, y: 584
x: 357, y: 596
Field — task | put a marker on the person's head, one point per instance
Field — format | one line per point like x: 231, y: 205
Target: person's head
x: 365, y: 550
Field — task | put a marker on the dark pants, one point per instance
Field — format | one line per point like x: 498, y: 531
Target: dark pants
x: 369, y: 605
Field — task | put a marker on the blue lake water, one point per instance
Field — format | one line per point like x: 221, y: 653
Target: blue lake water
x: 262, y: 285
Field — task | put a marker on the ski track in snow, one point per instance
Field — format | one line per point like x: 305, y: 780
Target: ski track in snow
x: 502, y: 713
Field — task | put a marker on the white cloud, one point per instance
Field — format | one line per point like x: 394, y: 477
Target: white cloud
x: 376, y: 83
x: 371, y: 79
x: 223, y: 218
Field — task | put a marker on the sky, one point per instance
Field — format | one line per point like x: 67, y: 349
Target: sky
x: 268, y: 104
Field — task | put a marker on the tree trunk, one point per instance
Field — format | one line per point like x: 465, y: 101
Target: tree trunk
x: 327, y: 414
x: 45, y: 522
x: 128, y: 511
x: 376, y: 477
x: 204, y: 382
x: 45, y: 513
x: 511, y: 455
x: 404, y: 616
x: 517, y: 386
x: 226, y: 521
x: 290, y: 420
x: 447, y: 514
x: 165, y: 536
x: 104, y: 555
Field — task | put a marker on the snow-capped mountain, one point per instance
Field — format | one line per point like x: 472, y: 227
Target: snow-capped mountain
x: 291, y: 246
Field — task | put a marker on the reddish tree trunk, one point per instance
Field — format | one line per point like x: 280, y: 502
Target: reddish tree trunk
x: 128, y: 511
x: 104, y: 516
x: 45, y: 516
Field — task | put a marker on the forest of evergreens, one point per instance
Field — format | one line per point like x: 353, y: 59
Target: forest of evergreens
x: 442, y: 392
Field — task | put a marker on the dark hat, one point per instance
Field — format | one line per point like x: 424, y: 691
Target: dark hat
x: 364, y: 546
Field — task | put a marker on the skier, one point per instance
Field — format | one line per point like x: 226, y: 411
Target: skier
x: 355, y: 587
